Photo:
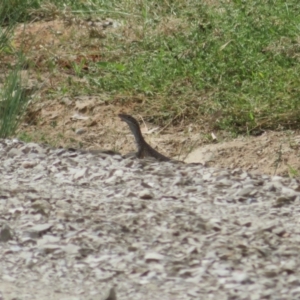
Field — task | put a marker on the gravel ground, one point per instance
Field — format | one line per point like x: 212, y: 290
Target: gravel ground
x: 75, y: 225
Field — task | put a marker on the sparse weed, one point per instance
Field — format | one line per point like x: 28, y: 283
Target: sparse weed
x: 78, y: 68
x: 25, y: 137
x: 293, y: 173
x: 53, y: 124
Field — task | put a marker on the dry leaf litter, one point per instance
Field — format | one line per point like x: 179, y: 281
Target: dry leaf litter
x: 97, y: 226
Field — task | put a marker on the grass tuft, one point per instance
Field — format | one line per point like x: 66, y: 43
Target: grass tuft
x: 13, y: 102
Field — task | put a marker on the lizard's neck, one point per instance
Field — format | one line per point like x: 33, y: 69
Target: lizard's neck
x: 136, y: 131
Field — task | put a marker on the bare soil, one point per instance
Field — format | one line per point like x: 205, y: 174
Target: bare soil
x: 90, y: 123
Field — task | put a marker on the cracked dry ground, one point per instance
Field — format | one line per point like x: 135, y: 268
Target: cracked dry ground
x: 74, y: 225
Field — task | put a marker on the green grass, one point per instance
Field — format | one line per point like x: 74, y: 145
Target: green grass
x: 13, y: 102
x: 11, y: 13
x: 13, y: 97
x: 293, y: 172
x: 25, y: 137
x: 188, y: 61
x: 240, y: 60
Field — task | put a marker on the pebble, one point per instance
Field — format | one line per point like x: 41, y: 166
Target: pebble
x: 65, y: 209
x: 80, y: 131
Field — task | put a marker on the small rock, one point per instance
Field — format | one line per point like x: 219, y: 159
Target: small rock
x: 111, y: 295
x: 80, y: 173
x: 80, y: 131
x: 281, y: 201
x: 145, y: 194
x: 37, y: 230
x: 29, y: 164
x: 240, y: 277
x: 32, y: 148
x: 5, y: 233
x: 8, y: 278
x: 153, y: 256
x: 14, y: 152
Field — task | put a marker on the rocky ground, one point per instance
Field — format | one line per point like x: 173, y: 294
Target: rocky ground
x: 77, y: 225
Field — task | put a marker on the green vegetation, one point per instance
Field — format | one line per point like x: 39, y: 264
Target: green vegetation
x: 13, y: 98
x: 13, y: 102
x: 12, y: 12
x: 25, y: 137
x: 293, y: 172
x: 231, y: 64
x: 237, y: 60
